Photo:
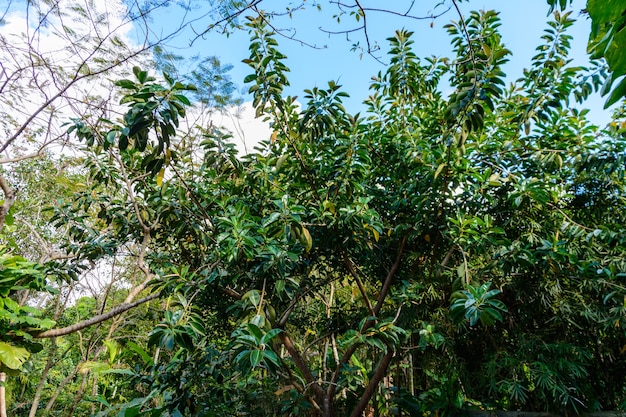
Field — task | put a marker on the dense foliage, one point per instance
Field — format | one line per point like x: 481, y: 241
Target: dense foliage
x: 606, y: 40
x: 432, y: 254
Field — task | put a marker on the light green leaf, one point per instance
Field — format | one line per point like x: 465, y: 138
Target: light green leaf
x: 13, y: 356
x: 95, y: 367
x: 254, y: 296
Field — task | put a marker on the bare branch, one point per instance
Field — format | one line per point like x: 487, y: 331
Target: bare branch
x: 227, y: 19
x: 94, y: 320
x: 292, y: 37
x: 363, y: 12
x: 21, y: 158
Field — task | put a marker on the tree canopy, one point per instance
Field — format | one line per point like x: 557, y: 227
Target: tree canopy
x: 606, y: 40
x: 441, y: 251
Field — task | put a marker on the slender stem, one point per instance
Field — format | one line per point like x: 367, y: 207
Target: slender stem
x: 353, y: 271
x: 42, y: 379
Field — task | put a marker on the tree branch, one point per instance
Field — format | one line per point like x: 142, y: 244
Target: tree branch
x: 351, y: 267
x: 301, y: 364
x: 332, y: 387
x: 381, y: 371
x: 22, y: 158
x: 94, y: 320
x: 390, y: 276
x: 363, y: 12
x: 226, y: 19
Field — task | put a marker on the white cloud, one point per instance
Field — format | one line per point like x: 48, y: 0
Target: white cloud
x: 59, y: 51
x: 58, y: 63
x: 247, y: 129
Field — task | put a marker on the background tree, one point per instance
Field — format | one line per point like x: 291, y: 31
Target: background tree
x: 52, y: 69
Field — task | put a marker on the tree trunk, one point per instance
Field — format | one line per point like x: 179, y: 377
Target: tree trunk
x: 411, y: 376
x: 79, y: 396
x: 42, y: 380
x: 3, y: 401
x: 9, y: 199
x: 380, y: 373
x: 61, y: 386
x: 328, y: 406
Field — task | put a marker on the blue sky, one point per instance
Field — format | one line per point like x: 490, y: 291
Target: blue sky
x: 522, y: 27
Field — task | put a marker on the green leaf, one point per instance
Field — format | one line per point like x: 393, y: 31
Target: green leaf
x: 113, y: 348
x: 9, y: 219
x: 13, y: 356
x: 123, y: 143
x: 94, y: 366
x: 183, y: 99
x: 617, y: 94
x: 127, y: 84
x: 376, y: 342
x: 271, y: 357
x: 110, y: 137
x: 168, y: 78
x: 45, y: 324
x: 255, y: 331
x: 270, y: 335
x: 608, y: 39
x: 130, y: 412
x: 254, y: 296
x: 11, y: 305
x: 255, y: 358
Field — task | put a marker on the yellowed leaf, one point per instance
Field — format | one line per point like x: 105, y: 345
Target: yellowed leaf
x: 376, y: 234
x: 494, y: 180
x: 307, y: 239
x: 330, y: 206
x: 439, y: 169
x: 284, y: 389
x: 160, y: 175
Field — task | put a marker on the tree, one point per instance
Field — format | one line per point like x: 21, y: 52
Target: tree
x: 310, y: 278
x: 482, y: 268
x: 69, y: 80
x: 606, y: 39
